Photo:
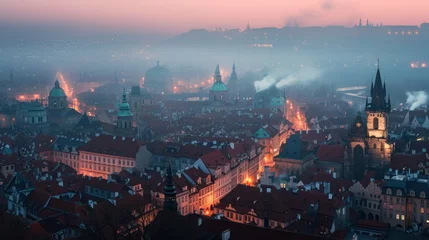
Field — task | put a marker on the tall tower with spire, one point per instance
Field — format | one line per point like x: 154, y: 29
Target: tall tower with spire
x: 125, y: 118
x: 170, y: 202
x: 233, y: 82
x: 378, y: 109
x: 248, y: 27
x: 218, y: 91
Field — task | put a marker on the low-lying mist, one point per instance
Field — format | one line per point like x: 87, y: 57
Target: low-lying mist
x: 285, y: 77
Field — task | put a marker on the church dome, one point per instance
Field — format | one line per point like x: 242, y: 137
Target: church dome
x: 219, y: 87
x: 158, y: 78
x: 57, y: 91
x: 124, y: 107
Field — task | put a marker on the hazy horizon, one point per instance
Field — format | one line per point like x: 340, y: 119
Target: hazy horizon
x: 170, y: 17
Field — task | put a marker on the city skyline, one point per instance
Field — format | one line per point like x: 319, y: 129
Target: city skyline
x: 157, y: 17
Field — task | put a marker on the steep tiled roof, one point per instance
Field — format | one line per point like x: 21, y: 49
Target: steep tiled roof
x: 331, y: 153
x: 113, y: 145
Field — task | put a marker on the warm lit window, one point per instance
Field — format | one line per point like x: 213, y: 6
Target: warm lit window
x: 422, y: 210
x: 402, y: 217
x: 397, y: 216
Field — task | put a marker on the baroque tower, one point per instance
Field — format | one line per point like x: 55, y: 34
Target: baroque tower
x: 218, y: 91
x: 125, y: 117
x: 170, y: 202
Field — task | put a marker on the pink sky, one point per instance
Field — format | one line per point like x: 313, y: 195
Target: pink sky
x: 175, y: 16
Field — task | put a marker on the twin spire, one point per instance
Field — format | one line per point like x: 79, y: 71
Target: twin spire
x: 218, y: 78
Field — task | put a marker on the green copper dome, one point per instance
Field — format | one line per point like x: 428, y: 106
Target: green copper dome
x: 219, y: 87
x: 124, y: 107
x: 57, y: 91
x: 277, y: 102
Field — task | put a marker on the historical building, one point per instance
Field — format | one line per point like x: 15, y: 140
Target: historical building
x: 31, y: 115
x: 368, y: 144
x: 138, y: 98
x: 105, y: 154
x: 124, y: 124
x: 218, y: 91
x: 233, y: 85
x: 58, y: 110
x: 158, y: 79
x: 57, y: 97
x: 270, y: 98
x: 170, y: 202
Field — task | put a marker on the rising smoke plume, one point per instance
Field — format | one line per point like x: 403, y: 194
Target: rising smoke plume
x: 416, y: 99
x: 283, y: 78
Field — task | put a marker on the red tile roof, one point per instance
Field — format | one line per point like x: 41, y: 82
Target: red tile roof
x: 402, y: 161
x: 331, y: 153
x: 113, y: 145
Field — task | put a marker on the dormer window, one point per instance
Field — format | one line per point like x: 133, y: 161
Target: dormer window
x: 412, y: 193
x: 399, y: 193
x: 422, y: 195
x: 389, y: 191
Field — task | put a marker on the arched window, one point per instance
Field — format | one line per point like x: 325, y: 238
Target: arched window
x: 375, y: 123
x: 389, y: 191
x: 214, y: 98
x: 422, y: 195
x: 399, y: 192
x: 61, y: 103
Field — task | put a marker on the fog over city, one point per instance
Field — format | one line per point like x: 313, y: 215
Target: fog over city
x: 199, y: 119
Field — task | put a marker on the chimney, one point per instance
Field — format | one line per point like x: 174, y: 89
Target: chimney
x: 330, y: 196
x: 226, y: 235
x: 200, y: 221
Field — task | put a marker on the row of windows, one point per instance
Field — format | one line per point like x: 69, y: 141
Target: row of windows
x: 98, y: 159
x: 411, y: 193
x: 65, y: 155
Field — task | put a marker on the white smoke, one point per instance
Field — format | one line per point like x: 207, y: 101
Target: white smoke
x: 416, y: 99
x: 283, y: 78
x: 303, y: 76
x: 265, y: 83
